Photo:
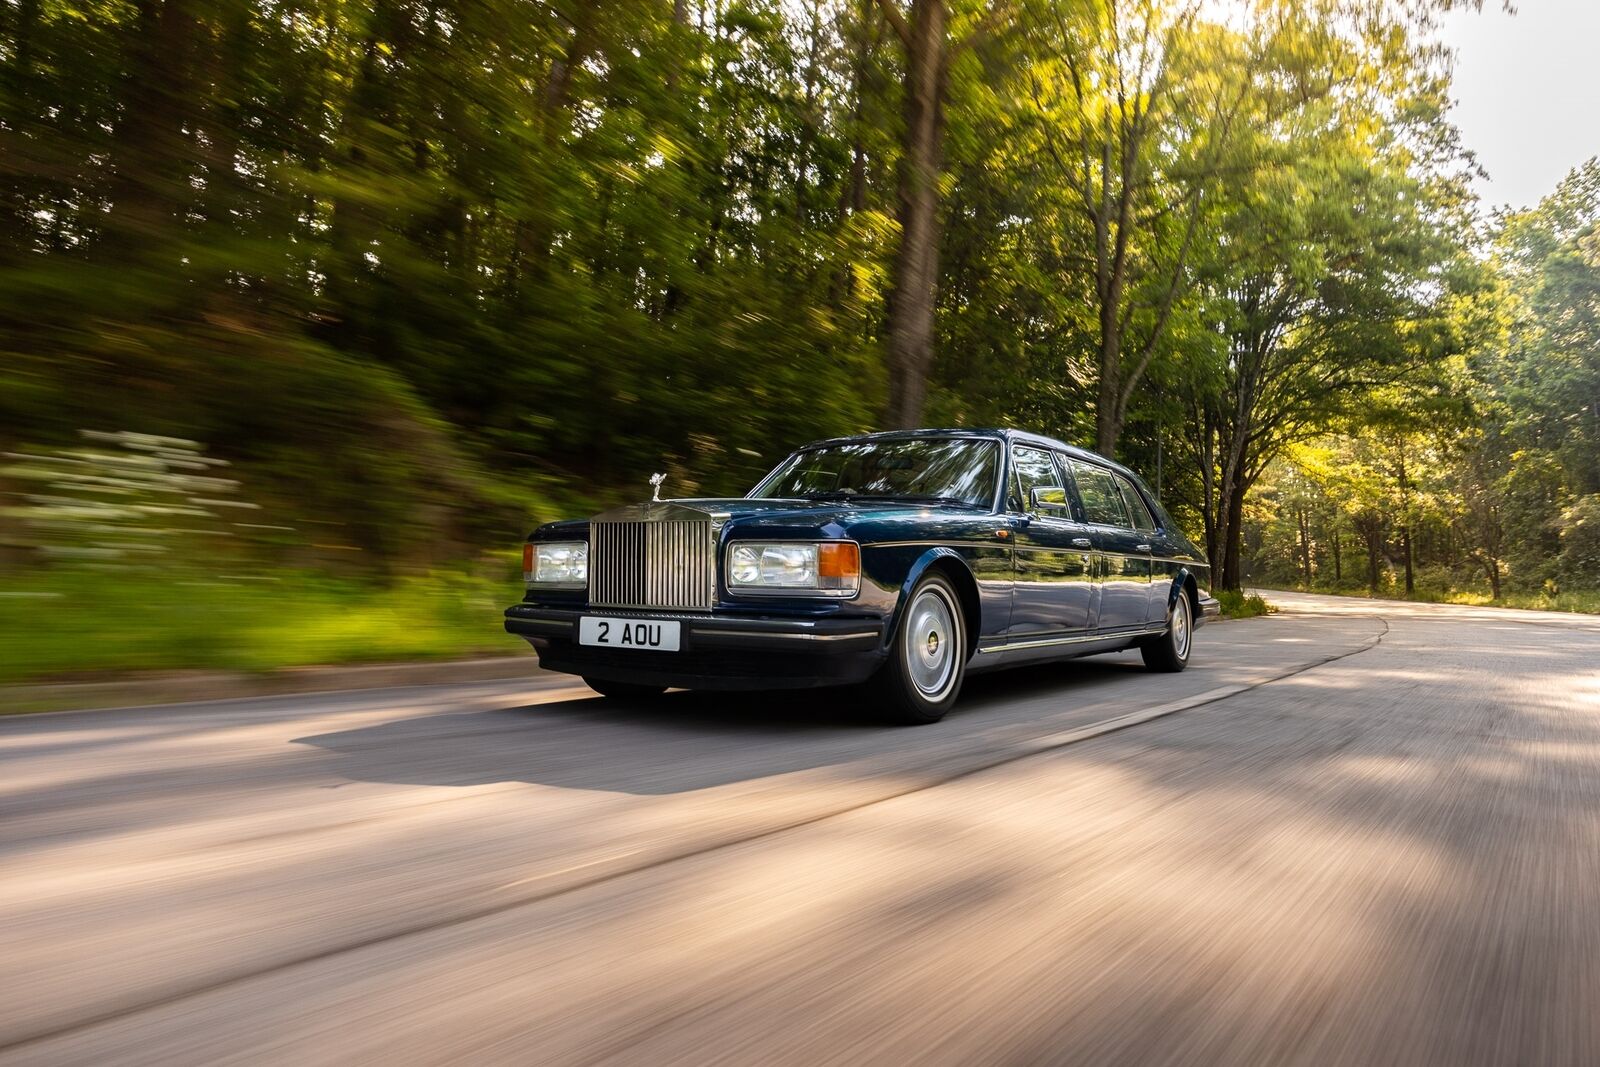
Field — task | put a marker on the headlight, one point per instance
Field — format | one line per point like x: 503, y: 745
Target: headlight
x: 559, y: 563
x: 821, y: 568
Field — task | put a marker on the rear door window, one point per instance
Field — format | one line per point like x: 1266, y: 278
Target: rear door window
x: 1102, y: 503
x: 1136, y: 505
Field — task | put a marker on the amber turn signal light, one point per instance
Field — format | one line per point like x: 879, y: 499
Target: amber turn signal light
x: 839, y: 559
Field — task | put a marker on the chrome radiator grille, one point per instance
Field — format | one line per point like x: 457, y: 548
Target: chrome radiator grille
x: 668, y: 565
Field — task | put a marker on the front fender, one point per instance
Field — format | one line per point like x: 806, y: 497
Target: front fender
x: 914, y: 575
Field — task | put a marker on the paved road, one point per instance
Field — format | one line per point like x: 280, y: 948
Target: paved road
x: 1353, y: 833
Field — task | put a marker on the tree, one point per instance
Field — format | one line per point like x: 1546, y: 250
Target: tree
x: 931, y: 45
x: 1335, y: 258
x: 1136, y: 106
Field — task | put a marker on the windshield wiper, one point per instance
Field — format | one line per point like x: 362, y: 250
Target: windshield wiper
x: 933, y: 500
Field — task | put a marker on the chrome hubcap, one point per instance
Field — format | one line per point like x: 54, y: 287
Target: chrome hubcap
x: 1180, y: 626
x: 930, y: 659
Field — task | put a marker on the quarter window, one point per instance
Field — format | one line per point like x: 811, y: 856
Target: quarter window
x: 1034, y: 470
x: 1102, y: 503
x: 1136, y: 506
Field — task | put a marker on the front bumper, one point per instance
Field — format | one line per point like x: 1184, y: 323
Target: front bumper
x: 1210, y: 608
x: 716, y: 651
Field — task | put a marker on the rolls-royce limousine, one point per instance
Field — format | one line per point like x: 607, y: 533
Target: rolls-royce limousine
x: 905, y: 560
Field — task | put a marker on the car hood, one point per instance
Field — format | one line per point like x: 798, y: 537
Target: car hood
x: 818, y: 512
x: 834, y: 515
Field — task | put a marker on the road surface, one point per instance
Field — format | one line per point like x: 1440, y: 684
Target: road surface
x: 1356, y: 832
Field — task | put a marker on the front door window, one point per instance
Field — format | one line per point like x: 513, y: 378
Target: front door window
x: 1036, y: 488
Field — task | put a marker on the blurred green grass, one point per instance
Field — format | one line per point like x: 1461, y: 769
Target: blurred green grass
x: 71, y: 626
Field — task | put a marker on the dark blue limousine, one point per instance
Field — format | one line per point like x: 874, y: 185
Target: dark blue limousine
x: 903, y: 559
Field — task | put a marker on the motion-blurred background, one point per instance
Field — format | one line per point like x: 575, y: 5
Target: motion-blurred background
x: 309, y: 309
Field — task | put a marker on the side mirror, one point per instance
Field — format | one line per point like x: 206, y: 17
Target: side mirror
x: 1049, y: 498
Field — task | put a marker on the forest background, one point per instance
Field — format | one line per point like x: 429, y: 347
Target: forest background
x: 309, y: 309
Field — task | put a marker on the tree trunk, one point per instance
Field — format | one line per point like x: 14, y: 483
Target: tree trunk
x: 916, y: 265
x: 1405, y: 528
x: 1405, y: 541
x: 1371, y: 537
x: 1233, y: 536
x: 1305, y: 545
x: 18, y: 78
x: 1338, y: 569
x: 151, y: 149
x: 536, y: 230
x: 1107, y: 417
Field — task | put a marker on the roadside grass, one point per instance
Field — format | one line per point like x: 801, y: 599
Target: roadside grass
x: 1585, y: 601
x: 72, y: 626
x: 1237, y: 605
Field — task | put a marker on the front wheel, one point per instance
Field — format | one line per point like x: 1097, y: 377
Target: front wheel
x: 623, y: 690
x: 928, y: 659
x: 1170, y: 652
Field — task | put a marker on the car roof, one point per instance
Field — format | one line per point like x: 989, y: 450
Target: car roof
x: 1004, y: 433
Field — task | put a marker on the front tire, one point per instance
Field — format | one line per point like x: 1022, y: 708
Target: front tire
x: 1169, y: 653
x: 928, y: 657
x: 623, y: 690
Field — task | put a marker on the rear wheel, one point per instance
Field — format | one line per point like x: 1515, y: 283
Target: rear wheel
x: 1170, y: 651
x: 928, y: 658
x: 623, y: 690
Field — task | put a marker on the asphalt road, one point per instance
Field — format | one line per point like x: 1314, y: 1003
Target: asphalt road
x: 1354, y: 833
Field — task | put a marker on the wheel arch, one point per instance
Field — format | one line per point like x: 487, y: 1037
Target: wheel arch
x: 948, y: 564
x: 1184, y: 582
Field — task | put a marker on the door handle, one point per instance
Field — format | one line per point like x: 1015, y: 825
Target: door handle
x: 1141, y: 548
x: 1080, y: 542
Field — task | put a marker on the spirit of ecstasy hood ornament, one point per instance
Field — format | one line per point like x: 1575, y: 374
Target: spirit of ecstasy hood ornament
x: 655, y: 487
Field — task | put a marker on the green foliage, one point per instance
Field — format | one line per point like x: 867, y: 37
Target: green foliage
x: 1580, y: 544
x: 1241, y: 605
x: 383, y: 257
x: 418, y: 276
x: 1465, y: 476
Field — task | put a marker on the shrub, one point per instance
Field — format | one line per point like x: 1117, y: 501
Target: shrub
x: 1580, y: 543
x: 1237, y: 605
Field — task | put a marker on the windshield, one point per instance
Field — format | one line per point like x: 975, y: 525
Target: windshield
x: 953, y: 470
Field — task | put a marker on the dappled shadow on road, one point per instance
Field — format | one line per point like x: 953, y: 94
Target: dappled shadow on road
x: 1392, y: 861
x: 1412, y: 861
x: 678, y: 742
x: 1395, y: 872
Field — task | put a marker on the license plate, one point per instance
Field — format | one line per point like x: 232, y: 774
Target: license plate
x: 656, y: 635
